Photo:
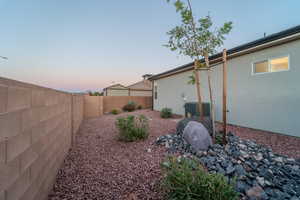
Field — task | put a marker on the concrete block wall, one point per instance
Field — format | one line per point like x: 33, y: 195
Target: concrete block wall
x: 37, y: 127
x: 95, y: 106
x: 112, y: 102
x: 77, y: 113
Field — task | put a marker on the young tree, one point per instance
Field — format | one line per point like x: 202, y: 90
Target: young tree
x: 198, y: 40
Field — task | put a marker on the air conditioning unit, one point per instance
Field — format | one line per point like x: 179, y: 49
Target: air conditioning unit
x: 192, y: 109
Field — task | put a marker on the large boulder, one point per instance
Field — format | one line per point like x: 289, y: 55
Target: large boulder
x: 197, y: 136
x: 206, y: 122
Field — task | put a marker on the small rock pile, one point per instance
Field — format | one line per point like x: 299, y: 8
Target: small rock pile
x: 257, y: 171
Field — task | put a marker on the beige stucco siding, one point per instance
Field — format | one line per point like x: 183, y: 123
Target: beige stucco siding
x: 119, y: 92
x: 142, y: 85
x: 268, y: 101
x: 111, y: 92
x: 140, y: 93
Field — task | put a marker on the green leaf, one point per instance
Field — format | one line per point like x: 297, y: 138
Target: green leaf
x: 179, y: 5
x: 192, y: 80
x: 196, y: 38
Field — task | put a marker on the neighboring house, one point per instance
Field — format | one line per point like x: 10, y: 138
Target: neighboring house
x: 263, y: 84
x: 116, y: 90
x: 141, y: 88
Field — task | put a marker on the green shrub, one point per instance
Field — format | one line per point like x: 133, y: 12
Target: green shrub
x: 186, y: 179
x: 140, y: 107
x: 130, y: 106
x: 132, y: 128
x: 219, y: 138
x: 115, y: 111
x: 95, y: 93
x: 166, y: 113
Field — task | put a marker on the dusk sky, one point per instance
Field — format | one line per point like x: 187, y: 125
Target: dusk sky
x: 79, y: 45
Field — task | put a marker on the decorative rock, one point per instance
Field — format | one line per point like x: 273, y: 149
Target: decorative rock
x: 261, y: 181
x: 201, y: 153
x: 295, y: 167
x: 206, y: 122
x: 278, y: 159
x: 253, y: 166
x: 255, y: 193
x: 291, y: 159
x: 240, y: 171
x: 259, y: 157
x: 167, y: 145
x: 241, y: 186
x: 268, y: 183
x: 224, y: 163
x: 295, y: 198
x: 244, y: 154
x: 230, y: 169
x: 242, y: 146
x: 221, y: 170
x: 267, y: 173
x: 197, y: 136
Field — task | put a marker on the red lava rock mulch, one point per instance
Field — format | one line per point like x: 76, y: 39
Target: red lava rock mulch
x: 101, y: 167
x: 281, y: 144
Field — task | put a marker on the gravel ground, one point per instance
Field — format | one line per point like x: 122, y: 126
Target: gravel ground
x: 101, y: 167
x: 280, y: 144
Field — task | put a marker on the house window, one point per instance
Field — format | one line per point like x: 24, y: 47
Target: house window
x: 279, y: 64
x: 271, y: 65
x: 155, y: 92
x: 261, y: 67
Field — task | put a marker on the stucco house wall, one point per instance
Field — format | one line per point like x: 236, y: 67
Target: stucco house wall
x: 141, y: 88
x: 142, y: 85
x: 141, y: 93
x: 116, y: 92
x: 268, y: 101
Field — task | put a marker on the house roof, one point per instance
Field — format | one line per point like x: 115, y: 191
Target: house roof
x: 143, y: 85
x: 262, y: 42
x: 114, y: 85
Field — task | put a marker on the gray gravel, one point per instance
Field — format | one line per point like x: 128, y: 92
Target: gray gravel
x: 258, y: 171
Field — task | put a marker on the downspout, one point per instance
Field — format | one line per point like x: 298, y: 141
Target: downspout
x: 152, y: 95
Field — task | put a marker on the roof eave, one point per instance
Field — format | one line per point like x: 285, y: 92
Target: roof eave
x: 263, y: 43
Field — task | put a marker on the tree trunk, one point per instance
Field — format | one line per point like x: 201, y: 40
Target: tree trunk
x: 197, y: 78
x: 224, y: 96
x: 212, y: 107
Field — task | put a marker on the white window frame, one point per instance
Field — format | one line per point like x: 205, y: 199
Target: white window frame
x: 269, y: 65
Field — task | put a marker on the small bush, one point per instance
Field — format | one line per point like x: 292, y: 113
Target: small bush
x: 186, y: 179
x: 166, y: 113
x: 140, y: 107
x: 219, y: 138
x: 115, y: 111
x: 132, y: 128
x: 130, y: 106
x: 95, y: 93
